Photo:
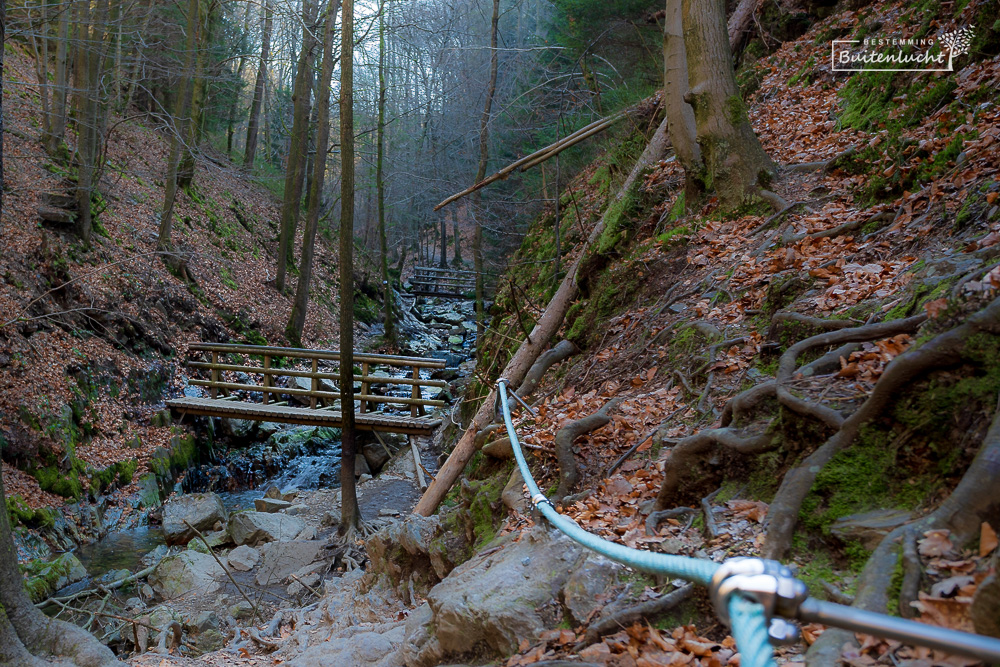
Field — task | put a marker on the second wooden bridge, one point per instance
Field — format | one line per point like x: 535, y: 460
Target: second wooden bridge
x: 298, y: 386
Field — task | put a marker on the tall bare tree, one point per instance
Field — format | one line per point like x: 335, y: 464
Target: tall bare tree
x: 388, y: 298
x: 296, y: 162
x: 484, y: 157
x: 350, y: 513
x: 297, y: 320
x: 253, y: 123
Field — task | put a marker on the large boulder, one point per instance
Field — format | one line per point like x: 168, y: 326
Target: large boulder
x: 280, y: 559
x: 186, y: 572
x: 270, y: 505
x: 416, y: 551
x: 253, y: 528
x: 494, y: 601
x: 201, y: 510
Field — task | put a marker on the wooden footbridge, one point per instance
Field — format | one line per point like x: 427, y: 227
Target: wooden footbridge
x: 298, y: 386
x: 447, y: 283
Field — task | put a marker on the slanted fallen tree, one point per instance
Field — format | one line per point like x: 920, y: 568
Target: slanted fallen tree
x: 538, y: 340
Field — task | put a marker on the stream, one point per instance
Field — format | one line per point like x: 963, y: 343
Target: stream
x: 288, y: 456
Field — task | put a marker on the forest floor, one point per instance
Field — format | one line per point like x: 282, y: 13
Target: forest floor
x: 901, y: 219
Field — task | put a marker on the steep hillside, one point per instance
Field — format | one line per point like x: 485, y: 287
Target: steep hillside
x: 94, y: 338
x: 888, y: 211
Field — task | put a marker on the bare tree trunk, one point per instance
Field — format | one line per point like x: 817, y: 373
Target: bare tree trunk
x: 546, y: 327
x: 350, y: 514
x: 484, y: 156
x: 185, y: 170
x: 458, y: 239
x: 680, y: 116
x: 444, y: 243
x: 740, y: 21
x: 239, y: 81
x: 297, y: 320
x: 134, y: 77
x: 296, y: 167
x: 57, y: 131
x: 183, y: 110
x: 732, y: 156
x: 253, y: 124
x: 388, y: 298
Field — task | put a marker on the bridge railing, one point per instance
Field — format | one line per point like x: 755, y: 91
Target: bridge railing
x: 320, y: 366
x: 431, y: 280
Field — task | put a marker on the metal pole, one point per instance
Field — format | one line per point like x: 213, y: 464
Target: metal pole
x: 986, y: 649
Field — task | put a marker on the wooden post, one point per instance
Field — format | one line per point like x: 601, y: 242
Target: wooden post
x: 315, y: 383
x: 365, y: 366
x: 267, y: 378
x: 214, y: 390
x: 416, y: 463
x: 415, y: 392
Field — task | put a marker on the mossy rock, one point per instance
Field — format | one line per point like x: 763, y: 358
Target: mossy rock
x: 45, y: 578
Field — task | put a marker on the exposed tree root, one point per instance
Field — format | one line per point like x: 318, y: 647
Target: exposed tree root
x: 829, y: 362
x: 944, y: 350
x: 743, y: 403
x: 654, y: 520
x: 840, y: 230
x: 912, y: 571
x: 706, y: 506
x: 961, y: 513
x: 559, y: 352
x: 483, y: 435
x: 569, y: 473
x: 776, y: 201
x: 788, y: 361
x: 687, y: 453
x: 785, y: 317
x: 822, y: 165
x: 626, y: 617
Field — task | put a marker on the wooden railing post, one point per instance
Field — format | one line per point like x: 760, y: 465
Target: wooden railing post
x: 267, y: 378
x: 365, y: 366
x: 415, y: 393
x: 314, y: 384
x: 214, y: 389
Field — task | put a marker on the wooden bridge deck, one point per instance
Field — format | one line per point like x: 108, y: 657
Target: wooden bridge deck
x: 367, y: 421
x: 233, y: 372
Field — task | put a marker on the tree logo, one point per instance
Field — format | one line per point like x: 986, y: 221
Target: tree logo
x: 900, y: 54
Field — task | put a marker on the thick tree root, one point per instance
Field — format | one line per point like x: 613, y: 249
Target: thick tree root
x: 626, y: 617
x: 569, y: 473
x: 788, y: 361
x: 559, y: 352
x: 962, y: 513
x: 688, y: 452
x: 12, y: 651
x: 944, y: 350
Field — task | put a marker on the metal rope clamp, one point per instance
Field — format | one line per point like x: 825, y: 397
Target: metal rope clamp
x: 767, y: 582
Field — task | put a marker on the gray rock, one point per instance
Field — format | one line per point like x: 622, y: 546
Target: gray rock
x: 205, y: 620
x: 241, y: 610
x: 869, y: 527
x: 201, y: 510
x: 584, y: 590
x: 416, y: 549
x: 375, y: 455
x: 296, y: 509
x: 280, y: 559
x: 289, y: 494
x: 240, y: 430
x: 45, y: 578
x: 186, y: 572
x: 243, y: 558
x: 273, y: 492
x: 492, y: 601
x: 308, y: 533
x: 256, y: 527
x: 270, y: 505
x: 297, y: 587
x: 360, y: 649
x: 361, y: 466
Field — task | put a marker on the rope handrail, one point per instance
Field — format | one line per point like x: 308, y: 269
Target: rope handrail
x: 753, y: 596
